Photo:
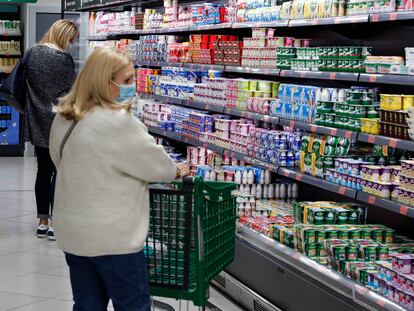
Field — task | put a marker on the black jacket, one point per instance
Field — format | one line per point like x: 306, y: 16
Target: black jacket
x: 50, y: 75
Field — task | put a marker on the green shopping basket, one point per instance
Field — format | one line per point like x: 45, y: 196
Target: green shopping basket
x: 191, y: 237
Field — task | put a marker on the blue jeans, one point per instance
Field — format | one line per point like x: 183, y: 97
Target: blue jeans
x: 121, y: 278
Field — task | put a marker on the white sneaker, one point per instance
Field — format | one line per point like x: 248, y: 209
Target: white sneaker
x: 51, y: 234
x: 41, y: 231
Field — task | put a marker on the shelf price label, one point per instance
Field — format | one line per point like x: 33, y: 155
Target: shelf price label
x: 372, y: 199
x: 372, y: 79
x: 286, y: 173
x: 333, y: 132
x: 332, y: 76
x: 371, y: 139
x: 393, y: 16
x: 348, y: 134
x: 342, y: 190
x: 87, y: 3
x: 392, y: 143
x: 313, y: 128
x: 374, y: 18
x: 403, y: 210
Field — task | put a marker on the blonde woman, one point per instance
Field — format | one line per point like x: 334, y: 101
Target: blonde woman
x: 105, y: 159
x: 50, y: 74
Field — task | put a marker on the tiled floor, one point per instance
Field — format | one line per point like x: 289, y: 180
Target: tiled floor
x: 33, y: 273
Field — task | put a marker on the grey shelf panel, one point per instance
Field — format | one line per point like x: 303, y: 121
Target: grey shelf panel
x: 275, y: 24
x: 386, y: 79
x: 387, y: 204
x: 320, y: 75
x: 329, y: 21
x: 387, y: 141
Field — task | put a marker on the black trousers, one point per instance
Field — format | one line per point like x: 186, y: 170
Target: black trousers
x: 45, y: 183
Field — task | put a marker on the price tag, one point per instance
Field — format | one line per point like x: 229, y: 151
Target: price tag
x: 249, y: 115
x: 283, y: 73
x: 298, y: 176
x: 371, y: 139
x: 393, y: 16
x: 337, y: 20
x: 204, y: 146
x: 315, y: 21
x: 292, y: 124
x: 374, y: 18
x: 332, y: 76
x: 227, y: 111
x: 342, y: 190
x: 243, y: 114
x: 372, y: 199
x: 372, y: 79
x: 266, y: 118
x: 403, y: 210
x: 362, y: 290
x: 381, y: 302
x: 348, y: 134
x: 333, y: 132
x: 392, y: 143
x: 207, y: 106
x: 302, y: 74
x: 267, y: 71
x: 286, y: 173
x: 313, y: 128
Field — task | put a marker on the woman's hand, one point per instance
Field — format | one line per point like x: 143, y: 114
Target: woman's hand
x: 182, y: 170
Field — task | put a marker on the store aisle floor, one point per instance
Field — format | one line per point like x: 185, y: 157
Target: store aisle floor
x: 33, y: 273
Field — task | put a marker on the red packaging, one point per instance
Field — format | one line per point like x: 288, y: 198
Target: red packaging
x: 232, y: 38
x: 204, y: 38
x: 213, y: 38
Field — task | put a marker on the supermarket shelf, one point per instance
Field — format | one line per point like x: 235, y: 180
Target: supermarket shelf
x: 388, y: 204
x: 264, y: 71
x: 202, y: 106
x: 296, y: 174
x: 312, y: 128
x: 203, y: 67
x: 210, y: 27
x: 387, y: 141
x: 275, y: 24
x: 321, y: 75
x: 386, y: 79
x: 329, y: 21
x: 287, y: 269
x: 98, y: 38
x: 394, y: 16
x: 107, y: 5
x: 251, y: 115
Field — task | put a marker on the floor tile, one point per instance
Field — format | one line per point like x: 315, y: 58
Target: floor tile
x: 38, y: 285
x: 8, y: 300
x: 47, y: 305
x: 58, y: 271
x: 11, y: 227
x: 13, y: 244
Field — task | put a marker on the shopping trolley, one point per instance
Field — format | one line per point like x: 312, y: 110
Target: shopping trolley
x: 191, y: 237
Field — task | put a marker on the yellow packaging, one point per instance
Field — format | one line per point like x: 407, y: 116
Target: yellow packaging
x: 391, y: 102
x: 324, y: 8
x: 297, y: 9
x: 311, y: 9
x: 285, y: 11
x: 408, y: 101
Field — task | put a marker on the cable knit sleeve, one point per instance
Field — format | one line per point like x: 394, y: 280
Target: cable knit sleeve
x: 139, y: 155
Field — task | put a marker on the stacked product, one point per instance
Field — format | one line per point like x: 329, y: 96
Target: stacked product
x: 227, y: 51
x: 197, y: 125
x: 296, y: 102
x: 406, y: 189
x: 394, y: 121
x: 178, y: 82
x: 261, y: 50
x: 208, y: 14
x: 272, y: 218
x: 391, y: 64
x: 10, y: 27
x: 334, y: 59
x: 7, y: 64
x: 153, y: 19
x: 281, y: 148
x: 146, y: 79
x: 10, y: 48
x: 242, y: 94
x: 233, y: 134
x: 179, y: 52
x: 153, y: 48
x: 395, y: 279
x: 318, y: 153
x: 353, y: 109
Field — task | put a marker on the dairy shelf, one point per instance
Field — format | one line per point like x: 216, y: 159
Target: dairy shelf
x: 300, y: 74
x: 311, y: 128
x: 290, y: 264
x: 296, y: 174
x: 289, y: 23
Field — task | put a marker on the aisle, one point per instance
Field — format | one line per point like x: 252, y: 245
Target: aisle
x: 33, y: 273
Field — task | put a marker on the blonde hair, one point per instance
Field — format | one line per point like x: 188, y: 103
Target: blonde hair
x: 92, y: 87
x: 60, y: 33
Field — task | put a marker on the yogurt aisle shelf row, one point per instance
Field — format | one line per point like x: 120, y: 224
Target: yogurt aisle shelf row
x: 312, y: 128
x: 340, y: 285
x: 302, y: 74
x: 293, y: 173
x: 341, y: 20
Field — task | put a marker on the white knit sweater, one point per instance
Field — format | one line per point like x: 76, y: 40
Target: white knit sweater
x: 102, y: 198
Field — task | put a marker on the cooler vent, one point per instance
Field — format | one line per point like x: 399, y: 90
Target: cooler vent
x: 221, y: 280
x: 258, y: 306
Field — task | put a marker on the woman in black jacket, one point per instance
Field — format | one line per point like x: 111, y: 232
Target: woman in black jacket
x: 50, y: 75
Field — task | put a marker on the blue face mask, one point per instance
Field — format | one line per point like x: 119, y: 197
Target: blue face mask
x: 126, y: 92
